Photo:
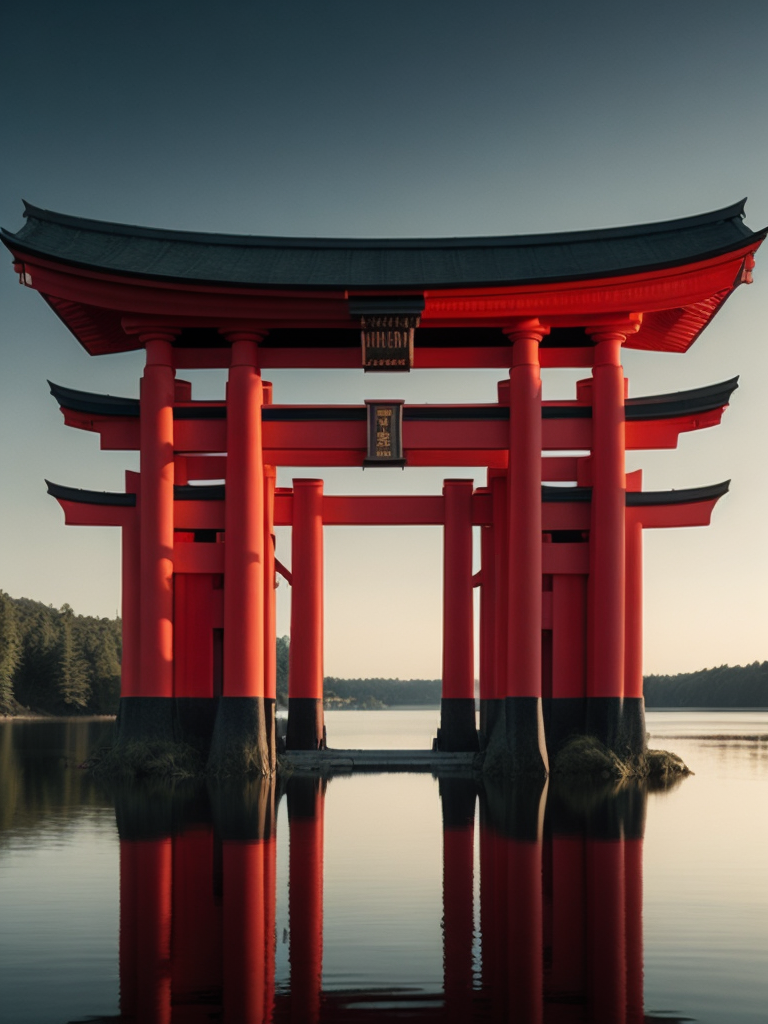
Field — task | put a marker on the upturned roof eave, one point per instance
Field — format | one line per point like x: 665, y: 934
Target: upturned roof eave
x: 21, y: 246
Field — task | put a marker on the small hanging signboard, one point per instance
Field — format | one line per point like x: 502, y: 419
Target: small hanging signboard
x: 385, y: 433
x: 388, y: 325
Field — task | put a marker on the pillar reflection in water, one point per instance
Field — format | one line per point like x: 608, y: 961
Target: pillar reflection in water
x: 197, y: 903
x: 458, y: 798
x: 560, y: 902
x: 306, y: 799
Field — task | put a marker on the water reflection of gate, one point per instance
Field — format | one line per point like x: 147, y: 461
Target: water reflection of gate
x: 560, y: 908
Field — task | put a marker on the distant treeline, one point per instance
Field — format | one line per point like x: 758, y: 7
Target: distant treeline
x: 738, y: 686
x: 385, y: 691
x: 56, y: 662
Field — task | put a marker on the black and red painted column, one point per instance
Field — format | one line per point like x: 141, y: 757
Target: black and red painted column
x: 488, y: 588
x: 306, y: 730
x: 146, y: 712
x: 526, y: 747
x: 609, y: 715
x: 239, y: 742
x: 270, y: 614
x: 457, y: 706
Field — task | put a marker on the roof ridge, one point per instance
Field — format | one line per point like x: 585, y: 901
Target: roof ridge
x: 732, y: 212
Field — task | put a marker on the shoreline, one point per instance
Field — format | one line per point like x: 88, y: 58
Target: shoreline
x: 31, y: 716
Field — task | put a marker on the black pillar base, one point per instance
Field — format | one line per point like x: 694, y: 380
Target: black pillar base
x: 605, y: 721
x: 195, y: 718
x: 457, y: 724
x: 305, y: 724
x: 564, y: 718
x: 633, y: 735
x: 145, y: 719
x: 526, y: 752
x: 491, y: 711
x: 239, y: 742
x: 270, y: 705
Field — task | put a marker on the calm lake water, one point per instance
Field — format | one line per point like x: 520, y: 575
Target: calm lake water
x: 385, y: 897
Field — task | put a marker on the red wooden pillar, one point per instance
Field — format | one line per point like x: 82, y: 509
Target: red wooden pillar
x: 305, y: 674
x: 605, y: 683
x: 487, y: 625
x: 240, y: 741
x: 130, y: 597
x: 306, y: 802
x: 244, y: 525
x: 494, y: 711
x: 270, y: 611
x: 156, y: 517
x: 569, y: 659
x: 457, y: 707
x: 524, y: 723
x: 458, y: 797
x: 633, y: 711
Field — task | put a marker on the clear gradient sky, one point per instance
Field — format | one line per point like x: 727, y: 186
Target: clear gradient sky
x: 425, y: 118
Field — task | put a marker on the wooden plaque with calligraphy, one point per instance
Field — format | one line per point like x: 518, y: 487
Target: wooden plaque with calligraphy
x: 388, y: 342
x: 385, y: 433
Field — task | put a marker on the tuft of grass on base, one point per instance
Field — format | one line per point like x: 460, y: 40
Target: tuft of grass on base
x: 154, y: 758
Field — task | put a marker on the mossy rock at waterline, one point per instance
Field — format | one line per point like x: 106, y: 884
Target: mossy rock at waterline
x: 587, y: 756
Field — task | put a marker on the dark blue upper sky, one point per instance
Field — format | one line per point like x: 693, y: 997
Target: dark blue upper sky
x: 420, y: 118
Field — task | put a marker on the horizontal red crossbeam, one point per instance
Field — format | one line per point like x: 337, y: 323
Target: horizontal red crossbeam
x: 426, y: 442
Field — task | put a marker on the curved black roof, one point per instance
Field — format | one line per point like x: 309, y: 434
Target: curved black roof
x: 216, y: 492
x: 650, y: 407
x: 686, y: 496
x: 90, y: 497
x: 349, y: 263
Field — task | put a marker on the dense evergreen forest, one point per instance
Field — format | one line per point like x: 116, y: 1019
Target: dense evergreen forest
x: 56, y: 662
x: 738, y: 686
x: 377, y: 693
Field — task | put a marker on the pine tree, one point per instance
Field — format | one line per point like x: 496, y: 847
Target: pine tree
x: 283, y: 654
x: 10, y: 652
x: 72, y: 683
x: 36, y: 677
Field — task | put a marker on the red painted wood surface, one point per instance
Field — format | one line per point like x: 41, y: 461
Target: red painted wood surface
x: 156, y: 517
x: 458, y: 606
x: 524, y: 518
x: 244, y: 525
x: 605, y: 646
x: 306, y: 662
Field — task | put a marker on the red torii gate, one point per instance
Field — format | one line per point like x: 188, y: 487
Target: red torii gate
x: 561, y: 566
